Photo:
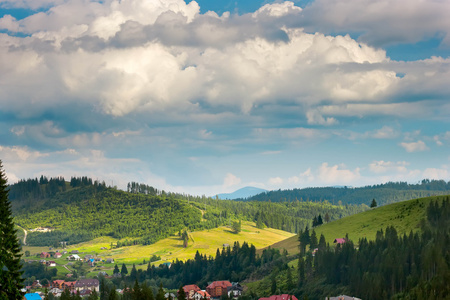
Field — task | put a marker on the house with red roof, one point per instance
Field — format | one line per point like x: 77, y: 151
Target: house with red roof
x: 280, y: 297
x: 339, y: 241
x: 190, y: 290
x: 200, y: 295
x: 58, y: 284
x: 45, y: 255
x: 218, y: 288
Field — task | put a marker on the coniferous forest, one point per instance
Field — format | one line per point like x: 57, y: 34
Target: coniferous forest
x: 83, y: 209
x: 386, y: 193
x: 412, y: 266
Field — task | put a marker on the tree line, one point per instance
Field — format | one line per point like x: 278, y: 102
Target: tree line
x: 386, y: 193
x: 413, y: 266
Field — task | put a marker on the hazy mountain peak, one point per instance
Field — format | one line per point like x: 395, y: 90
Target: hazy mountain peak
x: 244, y: 192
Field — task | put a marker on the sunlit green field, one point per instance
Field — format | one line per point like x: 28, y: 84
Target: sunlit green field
x: 169, y: 249
x: 404, y: 216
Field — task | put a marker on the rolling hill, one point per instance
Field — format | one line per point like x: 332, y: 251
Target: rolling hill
x: 405, y: 216
x: 386, y: 193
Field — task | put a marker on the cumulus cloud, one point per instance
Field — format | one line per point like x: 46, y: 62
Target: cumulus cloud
x: 381, y: 22
x: 388, y: 166
x: 437, y: 173
x: 337, y: 174
x: 414, y: 146
x: 275, y: 181
x: 303, y: 179
x: 231, y: 180
x: 123, y: 57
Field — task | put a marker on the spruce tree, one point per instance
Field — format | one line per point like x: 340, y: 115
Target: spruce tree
x: 373, y: 204
x: 181, y: 295
x: 10, y: 275
x: 160, y: 294
x: 124, y: 270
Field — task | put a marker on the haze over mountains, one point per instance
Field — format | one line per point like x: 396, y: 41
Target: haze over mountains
x: 242, y: 193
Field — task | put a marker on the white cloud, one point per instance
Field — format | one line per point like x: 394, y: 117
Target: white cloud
x: 414, y: 146
x: 304, y: 178
x: 231, y: 180
x: 314, y: 117
x: 275, y: 181
x: 385, y: 132
x: 379, y: 21
x: 388, y: 166
x: 438, y: 174
x: 337, y: 174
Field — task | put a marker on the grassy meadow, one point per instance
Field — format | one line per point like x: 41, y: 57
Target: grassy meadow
x: 404, y: 216
x: 169, y: 249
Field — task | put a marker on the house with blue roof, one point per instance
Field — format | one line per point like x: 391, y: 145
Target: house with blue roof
x: 32, y: 296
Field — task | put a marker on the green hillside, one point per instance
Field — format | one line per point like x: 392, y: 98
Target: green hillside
x: 404, y: 216
x: 388, y: 263
x: 386, y: 193
x: 82, y: 210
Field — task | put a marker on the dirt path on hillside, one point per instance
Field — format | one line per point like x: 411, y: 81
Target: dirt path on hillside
x: 25, y: 235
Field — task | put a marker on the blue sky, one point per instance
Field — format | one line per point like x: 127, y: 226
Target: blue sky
x: 206, y: 97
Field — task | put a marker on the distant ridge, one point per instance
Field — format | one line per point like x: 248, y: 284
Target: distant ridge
x: 243, y: 193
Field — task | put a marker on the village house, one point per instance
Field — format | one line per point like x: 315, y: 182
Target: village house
x: 339, y: 241
x: 110, y: 260
x: 75, y: 252
x: 200, y: 295
x: 189, y: 290
x: 57, y: 284
x: 69, y: 285
x: 36, y: 285
x: 85, y: 293
x: 51, y: 263
x: 55, y: 292
x: 235, y: 290
x: 73, y: 257
x: 45, y: 255
x: 218, y: 288
x: 342, y: 297
x: 87, y: 284
x: 57, y: 255
x: 87, y: 257
x: 91, y: 262
x: 280, y: 297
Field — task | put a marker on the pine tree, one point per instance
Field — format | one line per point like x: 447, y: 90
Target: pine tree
x: 10, y: 275
x: 373, y: 204
x: 124, y: 270
x: 181, y: 295
x: 160, y: 294
x: 116, y: 269
x: 147, y: 293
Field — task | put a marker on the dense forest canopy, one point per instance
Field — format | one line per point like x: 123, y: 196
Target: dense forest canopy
x: 386, y: 193
x: 83, y: 209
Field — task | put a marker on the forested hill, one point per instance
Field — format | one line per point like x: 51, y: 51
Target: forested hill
x: 83, y: 209
x: 390, y: 192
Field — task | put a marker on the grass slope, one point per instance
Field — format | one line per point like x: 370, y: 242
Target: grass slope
x: 404, y: 216
x: 169, y: 249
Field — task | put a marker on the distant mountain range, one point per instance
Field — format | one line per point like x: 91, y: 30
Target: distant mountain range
x: 243, y: 193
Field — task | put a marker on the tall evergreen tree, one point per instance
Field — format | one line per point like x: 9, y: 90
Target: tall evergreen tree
x: 160, y: 294
x: 116, y: 269
x: 373, y: 204
x: 124, y: 270
x: 181, y: 295
x: 10, y: 275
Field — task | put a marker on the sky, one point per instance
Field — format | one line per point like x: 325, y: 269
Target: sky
x: 206, y: 97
